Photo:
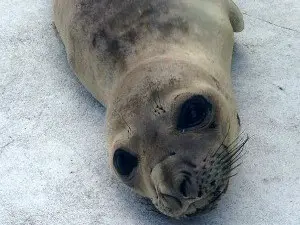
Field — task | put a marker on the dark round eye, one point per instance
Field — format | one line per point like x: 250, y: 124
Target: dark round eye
x: 194, y: 112
x: 124, y: 162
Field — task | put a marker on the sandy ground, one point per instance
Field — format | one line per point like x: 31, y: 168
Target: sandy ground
x: 53, y: 163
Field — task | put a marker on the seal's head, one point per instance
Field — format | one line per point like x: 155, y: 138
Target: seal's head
x: 172, y: 133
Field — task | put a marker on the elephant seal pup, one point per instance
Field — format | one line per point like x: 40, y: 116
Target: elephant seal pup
x: 162, y: 69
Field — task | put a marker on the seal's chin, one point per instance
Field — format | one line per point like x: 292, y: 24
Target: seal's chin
x: 173, y: 207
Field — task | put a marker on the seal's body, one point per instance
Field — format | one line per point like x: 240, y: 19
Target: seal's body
x: 162, y: 69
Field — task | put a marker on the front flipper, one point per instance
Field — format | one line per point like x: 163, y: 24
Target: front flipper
x: 236, y: 17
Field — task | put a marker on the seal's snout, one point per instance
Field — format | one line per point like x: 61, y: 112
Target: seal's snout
x: 173, y: 177
x: 175, y: 184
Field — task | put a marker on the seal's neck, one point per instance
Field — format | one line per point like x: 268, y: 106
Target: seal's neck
x: 213, y: 65
x: 171, y: 56
x: 168, y: 72
x: 205, y: 56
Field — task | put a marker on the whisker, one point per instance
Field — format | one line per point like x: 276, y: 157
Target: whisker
x: 227, y: 133
x: 237, y: 149
x: 222, y: 154
x: 229, y: 157
x: 231, y: 163
x: 229, y: 169
x: 226, y: 162
x: 237, y: 158
x: 243, y: 142
x: 236, y: 141
x: 228, y: 165
x: 232, y: 145
x: 214, y: 154
x: 225, y: 170
x: 228, y: 177
x: 215, y: 197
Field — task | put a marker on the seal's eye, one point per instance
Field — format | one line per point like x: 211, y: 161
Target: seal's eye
x: 194, y: 111
x: 124, y: 162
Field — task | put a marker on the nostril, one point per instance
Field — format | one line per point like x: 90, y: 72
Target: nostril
x: 183, y: 188
x: 200, y: 193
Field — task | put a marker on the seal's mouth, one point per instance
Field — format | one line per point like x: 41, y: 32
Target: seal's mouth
x: 207, y: 204
x: 189, y: 207
x: 199, y: 188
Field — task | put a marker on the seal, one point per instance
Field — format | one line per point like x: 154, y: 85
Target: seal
x: 162, y: 68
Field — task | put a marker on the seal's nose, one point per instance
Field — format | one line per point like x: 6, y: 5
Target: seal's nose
x: 173, y: 178
x: 188, y: 187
